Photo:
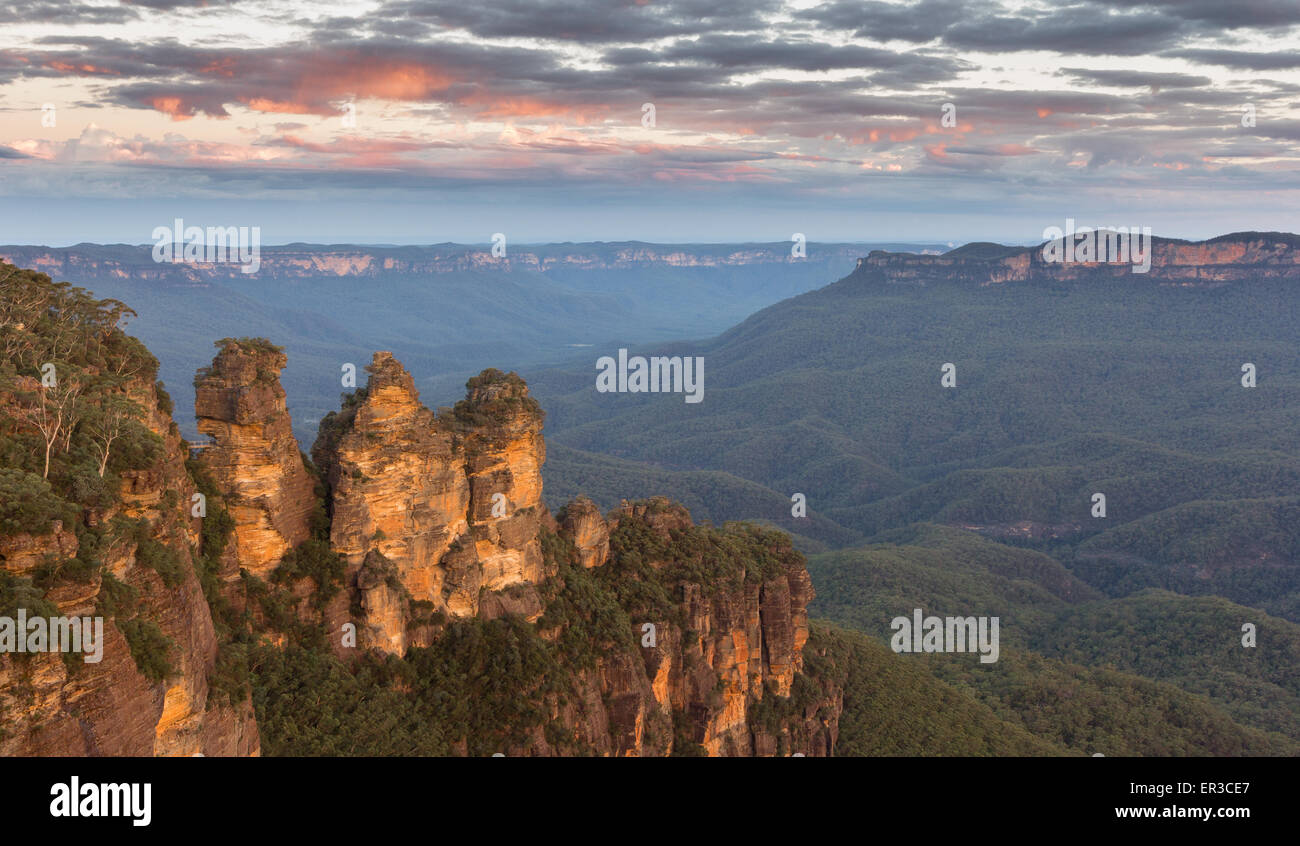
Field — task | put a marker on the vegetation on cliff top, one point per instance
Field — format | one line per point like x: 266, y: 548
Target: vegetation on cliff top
x: 74, y: 389
x: 495, y: 398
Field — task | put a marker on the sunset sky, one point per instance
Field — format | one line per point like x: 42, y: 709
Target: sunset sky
x: 525, y: 117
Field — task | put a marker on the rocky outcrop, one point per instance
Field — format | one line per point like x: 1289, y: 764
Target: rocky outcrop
x: 640, y: 634
x: 385, y: 606
x: 253, y: 457
x: 504, y: 453
x: 583, y: 524
x: 445, y: 512
x: 452, y: 504
x: 22, y: 553
x: 716, y: 665
x: 1236, y: 258
x: 397, y: 487
x: 52, y: 707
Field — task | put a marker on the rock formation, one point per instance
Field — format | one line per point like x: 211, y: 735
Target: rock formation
x: 585, y: 526
x: 433, y: 535
x: 52, y: 707
x: 1239, y: 257
x: 447, y: 511
x: 254, y: 457
x: 733, y: 645
x: 452, y: 504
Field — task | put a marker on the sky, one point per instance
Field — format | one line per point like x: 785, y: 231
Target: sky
x: 428, y: 121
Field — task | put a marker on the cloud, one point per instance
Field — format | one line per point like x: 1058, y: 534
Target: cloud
x: 585, y: 21
x: 1259, y: 61
x: 51, y: 11
x: 762, y: 97
x: 1136, y: 79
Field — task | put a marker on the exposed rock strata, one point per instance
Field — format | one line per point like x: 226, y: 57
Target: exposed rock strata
x: 110, y: 707
x: 253, y: 457
x: 1236, y: 258
x: 736, y: 646
x: 453, y: 504
x: 439, y: 518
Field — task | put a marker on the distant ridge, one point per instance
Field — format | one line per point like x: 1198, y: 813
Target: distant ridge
x: 1235, y: 257
x: 296, y: 261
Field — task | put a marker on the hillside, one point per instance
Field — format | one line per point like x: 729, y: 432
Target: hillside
x: 445, y: 309
x: 407, y: 590
x: 405, y: 593
x: 1076, y: 668
x: 1067, y: 385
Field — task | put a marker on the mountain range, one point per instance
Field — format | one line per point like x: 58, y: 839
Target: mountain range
x: 499, y: 585
x: 447, y: 310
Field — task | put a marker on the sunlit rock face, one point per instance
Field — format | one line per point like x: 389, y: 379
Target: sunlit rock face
x: 735, y: 645
x: 110, y: 707
x: 453, y: 503
x: 254, y: 458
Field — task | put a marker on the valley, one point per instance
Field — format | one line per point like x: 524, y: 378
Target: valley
x: 419, y: 558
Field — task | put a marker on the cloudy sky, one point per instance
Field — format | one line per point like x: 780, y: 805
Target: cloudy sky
x: 424, y: 121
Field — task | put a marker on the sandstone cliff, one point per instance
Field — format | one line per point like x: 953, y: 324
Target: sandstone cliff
x: 633, y: 634
x: 1235, y: 258
x: 305, y: 262
x: 445, y: 514
x: 717, y: 659
x: 452, y: 504
x: 147, y: 588
x: 253, y: 457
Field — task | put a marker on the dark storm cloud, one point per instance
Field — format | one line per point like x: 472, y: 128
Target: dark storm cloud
x: 1236, y: 14
x: 1287, y: 130
x: 170, y: 5
x: 1079, y: 29
x: 1086, y: 27
x: 11, y: 153
x: 1011, y: 103
x: 176, y: 100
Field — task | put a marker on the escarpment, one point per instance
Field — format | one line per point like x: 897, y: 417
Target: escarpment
x: 411, y: 561
x: 721, y: 651
x: 1235, y: 258
x: 146, y: 591
x: 667, y: 638
x: 108, y: 539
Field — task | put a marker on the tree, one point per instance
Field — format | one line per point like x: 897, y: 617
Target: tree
x: 112, y: 421
x: 51, y: 410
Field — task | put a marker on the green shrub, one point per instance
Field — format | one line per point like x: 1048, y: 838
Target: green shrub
x: 150, y: 648
x: 28, y: 504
